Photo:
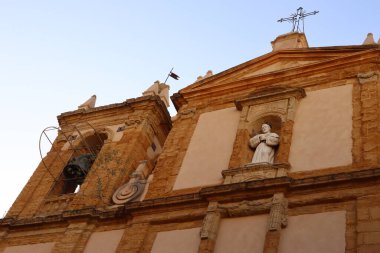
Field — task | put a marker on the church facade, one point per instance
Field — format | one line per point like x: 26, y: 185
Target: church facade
x: 279, y: 154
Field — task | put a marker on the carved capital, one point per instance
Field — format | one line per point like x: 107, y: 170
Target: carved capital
x: 278, y: 216
x: 367, y: 77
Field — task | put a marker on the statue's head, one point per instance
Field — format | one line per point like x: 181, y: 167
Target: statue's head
x: 266, y: 127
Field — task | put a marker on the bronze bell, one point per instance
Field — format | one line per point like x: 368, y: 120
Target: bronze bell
x: 78, y: 167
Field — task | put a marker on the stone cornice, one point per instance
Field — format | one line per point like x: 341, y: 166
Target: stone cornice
x: 132, y: 102
x: 256, y: 189
x: 315, y: 52
x: 277, y: 77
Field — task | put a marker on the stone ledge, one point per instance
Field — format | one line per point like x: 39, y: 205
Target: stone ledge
x: 269, y: 95
x: 254, y: 172
x: 270, y: 186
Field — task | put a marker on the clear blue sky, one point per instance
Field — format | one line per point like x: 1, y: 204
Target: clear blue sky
x: 56, y: 54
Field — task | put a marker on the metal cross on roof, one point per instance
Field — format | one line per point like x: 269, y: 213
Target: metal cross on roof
x: 295, y: 19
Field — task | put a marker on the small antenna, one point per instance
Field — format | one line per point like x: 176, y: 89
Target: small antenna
x: 296, y: 18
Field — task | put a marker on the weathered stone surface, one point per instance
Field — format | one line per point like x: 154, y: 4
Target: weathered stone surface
x: 269, y: 88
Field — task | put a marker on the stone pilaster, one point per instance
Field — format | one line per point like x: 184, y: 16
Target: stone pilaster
x: 74, y: 238
x: 210, y: 228
x: 133, y: 238
x: 278, y: 219
x: 370, y: 107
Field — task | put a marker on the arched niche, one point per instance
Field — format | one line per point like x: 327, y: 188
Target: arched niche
x: 275, y: 105
x: 274, y: 120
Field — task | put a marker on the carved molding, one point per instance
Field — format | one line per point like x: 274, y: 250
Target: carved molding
x: 253, y: 172
x: 367, y: 77
x: 280, y: 102
x: 270, y: 95
x: 246, y: 207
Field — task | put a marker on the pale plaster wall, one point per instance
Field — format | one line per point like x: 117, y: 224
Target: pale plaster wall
x: 209, y: 150
x: 243, y: 235
x: 322, y: 130
x: 175, y: 241
x: 31, y: 248
x: 314, y: 233
x: 105, y: 242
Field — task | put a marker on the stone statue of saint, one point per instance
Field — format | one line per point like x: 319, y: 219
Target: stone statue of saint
x: 264, y: 144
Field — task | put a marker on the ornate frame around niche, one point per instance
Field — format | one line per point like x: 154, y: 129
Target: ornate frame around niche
x: 277, y: 105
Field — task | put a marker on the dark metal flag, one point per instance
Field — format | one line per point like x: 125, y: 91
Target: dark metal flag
x: 173, y: 75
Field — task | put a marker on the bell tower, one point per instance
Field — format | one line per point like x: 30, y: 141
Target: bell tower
x: 96, y: 150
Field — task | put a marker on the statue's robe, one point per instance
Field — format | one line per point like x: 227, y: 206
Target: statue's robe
x: 264, y: 152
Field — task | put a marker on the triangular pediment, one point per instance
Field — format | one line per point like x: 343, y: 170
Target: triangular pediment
x: 275, y: 62
x: 279, y: 67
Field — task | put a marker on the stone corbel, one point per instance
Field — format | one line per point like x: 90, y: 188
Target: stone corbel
x: 278, y: 216
x: 210, y: 228
x: 211, y: 221
x: 135, y: 186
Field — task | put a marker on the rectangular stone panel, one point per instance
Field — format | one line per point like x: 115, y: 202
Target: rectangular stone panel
x: 31, y: 248
x: 322, y: 132
x: 209, y: 150
x: 105, y: 242
x: 315, y: 233
x: 184, y: 241
x: 243, y: 235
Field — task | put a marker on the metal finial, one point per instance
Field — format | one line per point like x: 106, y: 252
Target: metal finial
x: 295, y: 19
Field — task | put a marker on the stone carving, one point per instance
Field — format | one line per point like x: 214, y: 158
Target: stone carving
x: 252, y: 172
x: 371, y: 76
x: 264, y: 144
x: 278, y: 217
x: 211, y: 222
x: 246, y: 207
x: 133, y: 121
x: 278, y: 108
x: 135, y: 187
